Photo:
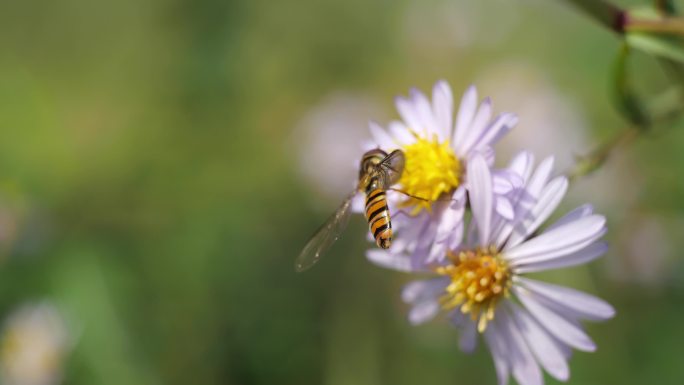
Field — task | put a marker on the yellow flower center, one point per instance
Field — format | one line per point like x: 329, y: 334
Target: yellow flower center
x: 479, y: 279
x: 431, y: 169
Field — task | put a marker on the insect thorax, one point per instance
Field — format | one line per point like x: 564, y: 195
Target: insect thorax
x: 367, y: 170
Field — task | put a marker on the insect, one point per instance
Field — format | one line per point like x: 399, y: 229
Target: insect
x: 377, y: 173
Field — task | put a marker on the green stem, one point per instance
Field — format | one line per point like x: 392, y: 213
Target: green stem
x: 671, y: 25
x: 591, y: 162
x: 594, y: 160
x: 607, y: 14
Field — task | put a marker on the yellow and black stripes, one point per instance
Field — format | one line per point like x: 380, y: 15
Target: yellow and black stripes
x: 378, y: 217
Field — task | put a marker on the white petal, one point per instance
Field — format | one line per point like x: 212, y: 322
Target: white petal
x: 423, y: 244
x: 540, y: 177
x: 545, y: 348
x: 381, y: 137
x: 504, y: 208
x: 583, y: 305
x: 561, y: 328
x: 420, y: 290
x: 424, y: 110
x: 563, y: 239
x: 488, y: 153
x: 481, y: 197
x: 452, y: 215
x: 506, y: 181
x: 400, y: 133
x: 573, y: 215
x: 580, y: 257
x: 522, y: 164
x: 523, y: 364
x: 383, y: 258
x: 437, y: 253
x: 467, y: 339
x: 411, y: 228
x: 520, y: 197
x: 367, y: 145
x: 466, y: 112
x: 358, y: 203
x: 549, y: 198
x: 449, y: 232
x: 498, y: 347
x: 554, y: 254
x: 409, y: 114
x: 476, y: 129
x: 423, y: 311
x: 495, y: 131
x: 471, y: 240
x: 442, y: 106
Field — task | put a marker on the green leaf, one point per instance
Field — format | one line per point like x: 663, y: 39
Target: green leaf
x: 627, y: 101
x: 659, y: 46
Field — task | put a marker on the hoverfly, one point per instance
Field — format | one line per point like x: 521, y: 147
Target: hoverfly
x: 378, y: 171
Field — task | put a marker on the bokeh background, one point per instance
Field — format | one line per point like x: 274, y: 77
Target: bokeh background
x: 163, y: 162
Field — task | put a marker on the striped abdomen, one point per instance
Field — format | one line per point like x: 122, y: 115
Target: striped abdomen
x: 378, y: 217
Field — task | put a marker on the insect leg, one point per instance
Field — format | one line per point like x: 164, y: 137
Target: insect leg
x: 419, y: 198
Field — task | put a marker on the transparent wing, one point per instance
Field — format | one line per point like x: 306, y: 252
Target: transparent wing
x: 325, y: 236
x: 391, y: 168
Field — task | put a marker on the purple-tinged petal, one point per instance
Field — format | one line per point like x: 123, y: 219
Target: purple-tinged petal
x: 466, y: 112
x: 401, y: 134
x: 437, y: 253
x: 581, y: 304
x: 505, y: 181
x: 452, y: 215
x: 423, y: 311
x: 467, y: 339
x: 381, y: 137
x: 442, y: 107
x: 386, y: 259
x: 476, y: 129
x: 522, y: 164
x: 421, y: 290
x: 505, y: 208
x: 523, y: 364
x: 563, y: 329
x: 539, y: 178
x: 587, y: 254
x: 573, y: 215
x: 501, y: 125
x: 408, y: 114
x: 546, y: 349
x: 549, y: 198
x: 553, y: 254
x: 564, y: 239
x: 358, y: 203
x: 423, y: 108
x: 488, y: 153
x: 481, y: 197
x: 498, y: 346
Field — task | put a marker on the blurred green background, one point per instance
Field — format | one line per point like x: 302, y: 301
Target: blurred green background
x: 158, y: 177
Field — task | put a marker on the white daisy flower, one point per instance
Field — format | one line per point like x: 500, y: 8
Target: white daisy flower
x: 34, y: 344
x: 340, y: 118
x: 527, y: 324
x: 437, y: 149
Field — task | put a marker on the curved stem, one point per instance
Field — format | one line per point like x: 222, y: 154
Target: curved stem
x: 671, y: 25
x: 607, y: 14
x: 585, y: 165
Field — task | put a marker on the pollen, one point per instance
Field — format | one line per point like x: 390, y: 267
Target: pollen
x: 479, y: 279
x: 431, y: 169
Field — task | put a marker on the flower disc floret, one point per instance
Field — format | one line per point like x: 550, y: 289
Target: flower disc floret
x: 431, y: 170
x: 479, y: 279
